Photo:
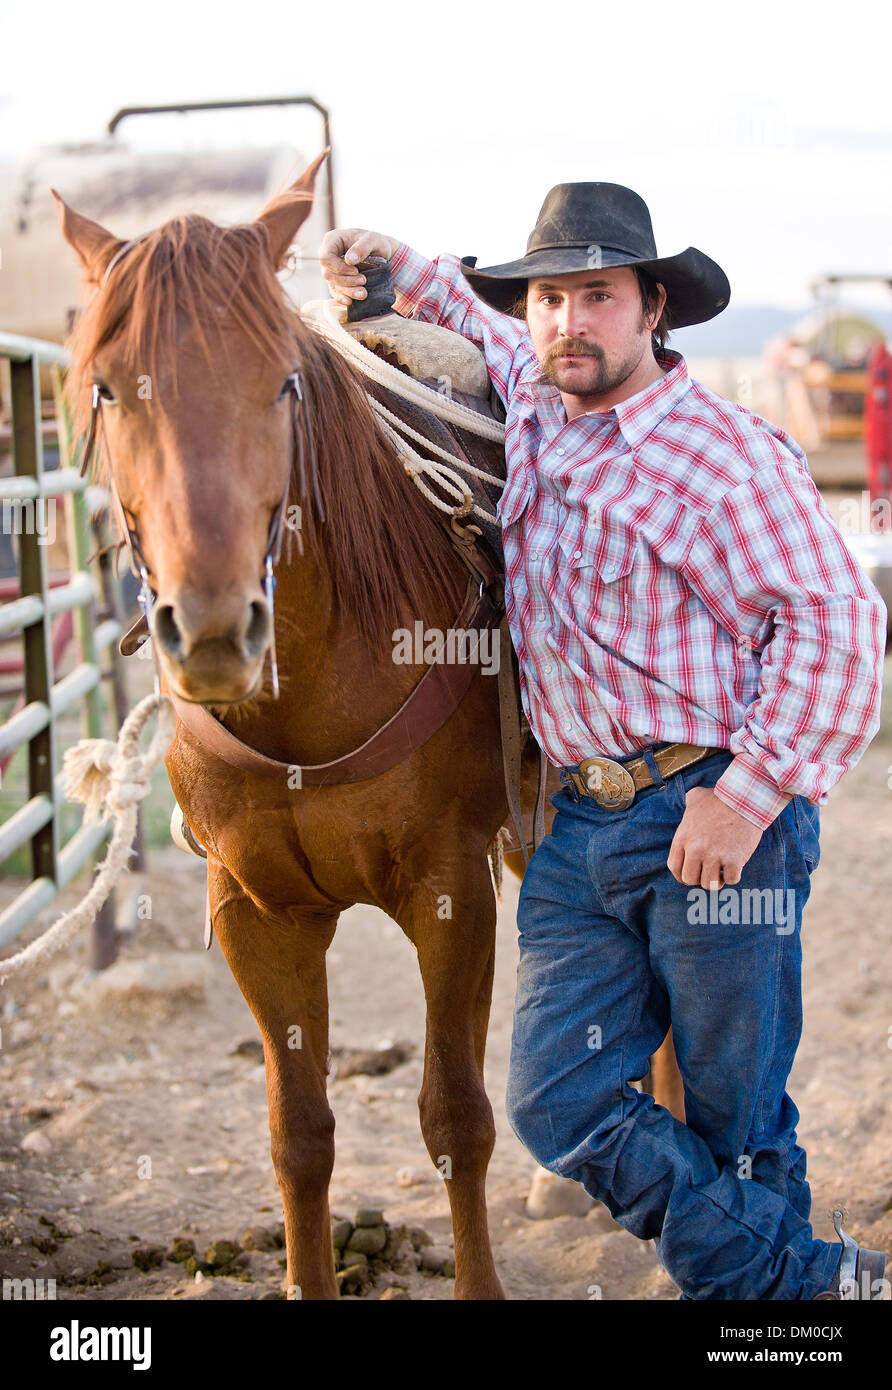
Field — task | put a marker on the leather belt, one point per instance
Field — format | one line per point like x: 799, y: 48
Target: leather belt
x: 614, y: 785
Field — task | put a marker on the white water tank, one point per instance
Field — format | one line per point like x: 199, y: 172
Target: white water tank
x: 130, y: 192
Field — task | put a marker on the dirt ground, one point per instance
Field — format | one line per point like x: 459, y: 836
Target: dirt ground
x: 144, y: 1120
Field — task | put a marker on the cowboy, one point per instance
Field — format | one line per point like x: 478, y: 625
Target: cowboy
x: 701, y: 656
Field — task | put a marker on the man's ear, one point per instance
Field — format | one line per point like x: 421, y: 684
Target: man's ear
x: 284, y: 214
x: 661, y: 291
x: 94, y: 245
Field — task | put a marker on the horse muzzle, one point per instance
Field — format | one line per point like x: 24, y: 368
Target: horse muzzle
x: 212, y: 649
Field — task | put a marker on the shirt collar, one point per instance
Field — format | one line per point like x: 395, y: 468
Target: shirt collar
x: 638, y: 416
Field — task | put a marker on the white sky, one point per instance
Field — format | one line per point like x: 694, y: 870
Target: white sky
x: 760, y: 132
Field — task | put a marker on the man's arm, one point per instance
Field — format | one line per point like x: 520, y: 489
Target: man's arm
x: 773, y: 569
x: 435, y: 292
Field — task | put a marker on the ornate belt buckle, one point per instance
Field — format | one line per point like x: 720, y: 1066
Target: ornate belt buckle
x: 607, y: 782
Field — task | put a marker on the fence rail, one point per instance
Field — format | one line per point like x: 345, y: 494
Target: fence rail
x: 39, y: 821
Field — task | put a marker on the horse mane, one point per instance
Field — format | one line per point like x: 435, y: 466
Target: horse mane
x: 385, y: 550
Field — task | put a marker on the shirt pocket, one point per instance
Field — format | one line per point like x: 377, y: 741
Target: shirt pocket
x: 514, y: 501
x: 598, y: 563
x: 607, y: 549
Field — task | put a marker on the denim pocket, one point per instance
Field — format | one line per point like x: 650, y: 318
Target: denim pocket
x: 808, y: 824
x: 704, y: 773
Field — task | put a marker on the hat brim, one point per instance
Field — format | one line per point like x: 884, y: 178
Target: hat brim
x: 697, y: 289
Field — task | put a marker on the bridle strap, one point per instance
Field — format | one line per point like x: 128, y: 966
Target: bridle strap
x: 272, y: 554
x: 120, y: 254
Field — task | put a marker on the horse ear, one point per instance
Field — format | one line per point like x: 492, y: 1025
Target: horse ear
x: 94, y: 245
x: 284, y: 214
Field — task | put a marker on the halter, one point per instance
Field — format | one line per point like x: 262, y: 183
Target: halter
x: 271, y: 556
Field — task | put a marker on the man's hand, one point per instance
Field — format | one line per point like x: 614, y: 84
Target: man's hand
x: 713, y: 843
x: 339, y: 253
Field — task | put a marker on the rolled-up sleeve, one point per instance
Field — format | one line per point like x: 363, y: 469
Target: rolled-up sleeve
x: 772, y: 567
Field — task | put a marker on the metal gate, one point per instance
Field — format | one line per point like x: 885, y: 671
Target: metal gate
x: 27, y: 498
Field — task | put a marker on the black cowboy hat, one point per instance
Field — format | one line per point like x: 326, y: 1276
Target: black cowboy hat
x: 583, y: 226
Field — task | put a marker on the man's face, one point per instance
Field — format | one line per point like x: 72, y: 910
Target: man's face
x: 589, y: 328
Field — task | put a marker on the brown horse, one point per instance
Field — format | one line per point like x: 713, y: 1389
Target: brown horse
x: 192, y: 345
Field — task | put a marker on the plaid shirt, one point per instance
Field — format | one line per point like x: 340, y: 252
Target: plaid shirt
x: 673, y: 574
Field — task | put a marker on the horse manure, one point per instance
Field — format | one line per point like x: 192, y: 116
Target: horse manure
x: 352, y: 1279
x: 368, y: 1216
x: 181, y: 1249
x: 222, y: 1255
x: 435, y: 1260
x: 147, y: 1257
x: 262, y: 1238
x: 369, y: 1061
x: 367, y: 1240
x: 418, y: 1237
x: 341, y: 1231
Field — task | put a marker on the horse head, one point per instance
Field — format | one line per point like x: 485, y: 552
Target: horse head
x: 191, y: 348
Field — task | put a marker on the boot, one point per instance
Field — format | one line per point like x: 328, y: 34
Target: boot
x: 858, y: 1269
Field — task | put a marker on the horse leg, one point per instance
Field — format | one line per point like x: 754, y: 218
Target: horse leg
x: 279, y: 966
x: 456, y: 954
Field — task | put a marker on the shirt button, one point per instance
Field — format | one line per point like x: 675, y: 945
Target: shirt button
x: 609, y: 571
x: 577, y: 554
x: 568, y: 727
x: 535, y: 555
x: 560, y: 453
x: 547, y: 668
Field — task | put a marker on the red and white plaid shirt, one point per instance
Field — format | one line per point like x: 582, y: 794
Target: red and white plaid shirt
x: 673, y: 574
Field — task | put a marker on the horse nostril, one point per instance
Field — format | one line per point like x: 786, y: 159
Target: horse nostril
x: 166, y: 632
x: 257, y: 632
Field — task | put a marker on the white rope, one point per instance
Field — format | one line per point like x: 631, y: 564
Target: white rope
x: 444, y: 407
x: 374, y: 367
x: 112, y: 778
x: 415, y: 465
x: 428, y: 444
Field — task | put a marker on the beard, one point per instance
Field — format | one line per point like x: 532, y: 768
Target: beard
x: 594, y: 376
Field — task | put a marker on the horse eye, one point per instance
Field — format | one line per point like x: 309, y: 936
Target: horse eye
x: 286, y: 388
x: 104, y: 392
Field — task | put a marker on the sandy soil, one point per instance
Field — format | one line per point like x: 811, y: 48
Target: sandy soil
x: 107, y: 1083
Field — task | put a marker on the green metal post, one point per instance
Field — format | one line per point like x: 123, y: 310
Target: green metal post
x: 28, y: 462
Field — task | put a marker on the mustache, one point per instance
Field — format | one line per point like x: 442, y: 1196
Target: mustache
x: 572, y: 347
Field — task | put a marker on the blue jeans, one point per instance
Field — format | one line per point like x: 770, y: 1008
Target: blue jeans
x: 611, y: 948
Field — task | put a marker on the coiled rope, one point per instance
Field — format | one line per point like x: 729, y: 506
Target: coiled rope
x: 324, y: 319
x: 109, y: 779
